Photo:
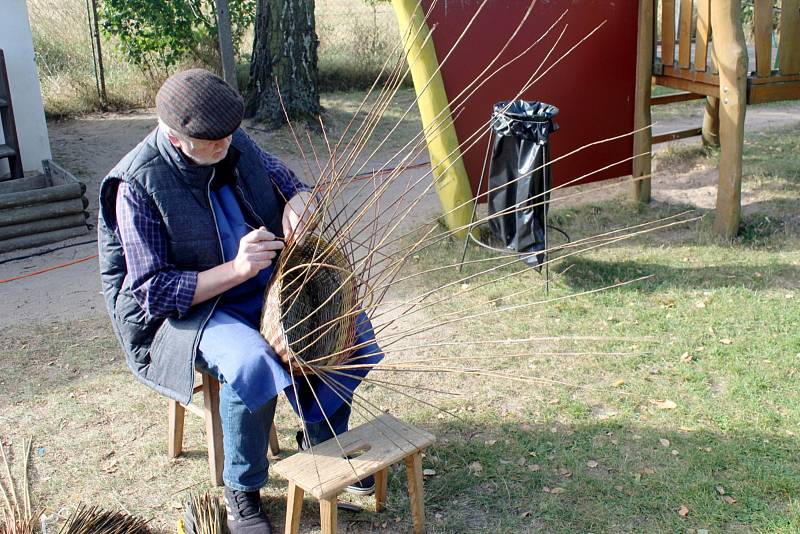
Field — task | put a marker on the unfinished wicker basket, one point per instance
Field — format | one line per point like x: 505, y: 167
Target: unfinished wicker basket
x: 309, y: 314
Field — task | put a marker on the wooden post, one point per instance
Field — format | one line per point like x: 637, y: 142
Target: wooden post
x: 226, y: 43
x: 294, y: 507
x: 175, y: 438
x: 100, y: 68
x: 711, y: 122
x: 274, y: 447
x: 639, y: 190
x: 416, y: 491
x: 729, y: 45
x: 381, y: 487
x: 327, y: 515
x: 216, y: 452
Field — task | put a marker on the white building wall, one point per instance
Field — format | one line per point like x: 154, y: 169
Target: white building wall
x: 26, y: 95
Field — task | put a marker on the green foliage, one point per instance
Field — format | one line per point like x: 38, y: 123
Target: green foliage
x: 157, y: 34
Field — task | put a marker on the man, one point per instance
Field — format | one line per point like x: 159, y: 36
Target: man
x: 189, y: 229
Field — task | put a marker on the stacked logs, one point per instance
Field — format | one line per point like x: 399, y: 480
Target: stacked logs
x: 42, y: 209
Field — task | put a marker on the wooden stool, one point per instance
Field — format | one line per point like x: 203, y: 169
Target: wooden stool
x: 373, y: 447
x: 210, y: 414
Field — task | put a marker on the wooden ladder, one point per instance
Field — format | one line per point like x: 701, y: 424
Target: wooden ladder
x: 10, y: 149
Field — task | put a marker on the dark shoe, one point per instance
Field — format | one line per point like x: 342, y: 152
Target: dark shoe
x: 365, y: 486
x: 245, y: 515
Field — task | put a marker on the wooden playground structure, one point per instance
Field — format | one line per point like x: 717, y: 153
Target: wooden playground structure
x: 705, y: 55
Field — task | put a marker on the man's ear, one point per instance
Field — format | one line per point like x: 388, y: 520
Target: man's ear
x: 174, y: 141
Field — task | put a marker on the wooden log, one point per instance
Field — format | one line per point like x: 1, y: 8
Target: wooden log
x: 57, y: 174
x: 45, y: 238
x: 711, y: 123
x: 42, y: 211
x: 44, y: 225
x: 639, y: 189
x: 41, y: 196
x: 731, y: 50
x: 23, y: 184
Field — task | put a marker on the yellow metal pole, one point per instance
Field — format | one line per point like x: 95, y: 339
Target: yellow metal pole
x: 450, y: 176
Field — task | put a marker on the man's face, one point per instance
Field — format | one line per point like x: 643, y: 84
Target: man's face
x: 202, y: 151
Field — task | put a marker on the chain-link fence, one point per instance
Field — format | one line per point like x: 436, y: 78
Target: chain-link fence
x: 355, y: 37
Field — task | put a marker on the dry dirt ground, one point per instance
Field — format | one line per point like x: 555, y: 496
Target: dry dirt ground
x: 90, y: 146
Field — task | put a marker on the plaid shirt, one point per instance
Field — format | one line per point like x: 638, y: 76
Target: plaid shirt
x: 159, y: 288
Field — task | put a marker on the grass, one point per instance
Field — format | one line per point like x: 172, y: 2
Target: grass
x: 713, y: 331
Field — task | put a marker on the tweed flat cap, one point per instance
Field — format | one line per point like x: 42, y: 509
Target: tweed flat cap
x: 199, y: 104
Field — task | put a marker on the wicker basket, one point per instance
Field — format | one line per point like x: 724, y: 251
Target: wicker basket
x: 309, y: 308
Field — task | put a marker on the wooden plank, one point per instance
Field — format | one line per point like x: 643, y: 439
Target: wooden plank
x: 672, y: 98
x: 789, y: 46
x: 685, y: 36
x: 726, y: 19
x: 41, y: 211
x: 328, y: 516
x: 44, y: 238
x: 323, y: 470
x: 695, y: 76
x: 416, y: 492
x: 668, y: 32
x: 703, y: 35
x: 639, y: 188
x: 711, y: 122
x: 58, y: 174
x: 40, y: 196
x: 381, y: 489
x: 676, y: 134
x: 175, y: 418
x: 687, y: 85
x: 44, y: 225
x: 762, y: 22
x: 294, y: 508
x: 216, y: 451
x: 23, y: 184
x: 775, y: 78
x: 758, y: 94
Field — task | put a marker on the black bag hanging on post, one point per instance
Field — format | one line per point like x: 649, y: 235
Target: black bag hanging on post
x: 520, y: 177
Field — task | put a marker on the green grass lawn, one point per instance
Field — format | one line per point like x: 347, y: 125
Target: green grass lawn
x: 682, y: 415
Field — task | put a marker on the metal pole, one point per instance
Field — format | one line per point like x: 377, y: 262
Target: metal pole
x: 226, y: 43
x: 101, y: 70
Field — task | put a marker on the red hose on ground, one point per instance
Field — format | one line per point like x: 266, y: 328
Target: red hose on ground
x: 53, y: 268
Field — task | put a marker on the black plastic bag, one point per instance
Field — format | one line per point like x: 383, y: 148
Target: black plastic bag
x: 519, y: 180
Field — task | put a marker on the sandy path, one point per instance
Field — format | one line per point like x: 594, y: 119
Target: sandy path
x: 90, y: 146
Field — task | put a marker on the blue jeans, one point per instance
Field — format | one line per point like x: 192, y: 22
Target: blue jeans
x: 245, y: 432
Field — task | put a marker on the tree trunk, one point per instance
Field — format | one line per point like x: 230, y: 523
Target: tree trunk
x: 285, y: 59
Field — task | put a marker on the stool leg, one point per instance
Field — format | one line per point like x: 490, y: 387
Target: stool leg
x: 416, y: 492
x: 327, y: 515
x: 381, y: 486
x: 176, y: 413
x: 294, y: 506
x: 216, y: 452
x: 274, y: 446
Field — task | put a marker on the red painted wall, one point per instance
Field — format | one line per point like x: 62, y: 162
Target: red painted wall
x: 593, y: 86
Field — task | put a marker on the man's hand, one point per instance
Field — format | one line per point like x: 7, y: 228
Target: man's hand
x: 256, y: 252
x: 297, y: 214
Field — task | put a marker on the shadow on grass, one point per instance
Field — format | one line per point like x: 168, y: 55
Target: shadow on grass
x: 586, y: 274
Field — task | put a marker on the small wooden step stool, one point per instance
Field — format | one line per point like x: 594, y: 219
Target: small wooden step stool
x: 10, y: 148
x: 372, y: 447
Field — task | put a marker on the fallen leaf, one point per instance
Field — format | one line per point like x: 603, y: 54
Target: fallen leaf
x: 618, y: 383
x: 675, y: 452
x: 546, y: 489
x: 428, y: 472
x: 475, y: 468
x: 619, y: 488
x: 525, y: 514
x: 664, y: 404
x: 556, y: 491
x: 534, y: 467
x: 728, y: 499
x: 683, y: 511
x: 490, y: 442
x: 564, y: 472
x: 591, y: 464
x: 725, y: 341
x: 720, y: 490
x: 700, y: 304
x: 553, y: 401
x: 686, y: 357
x: 664, y: 442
